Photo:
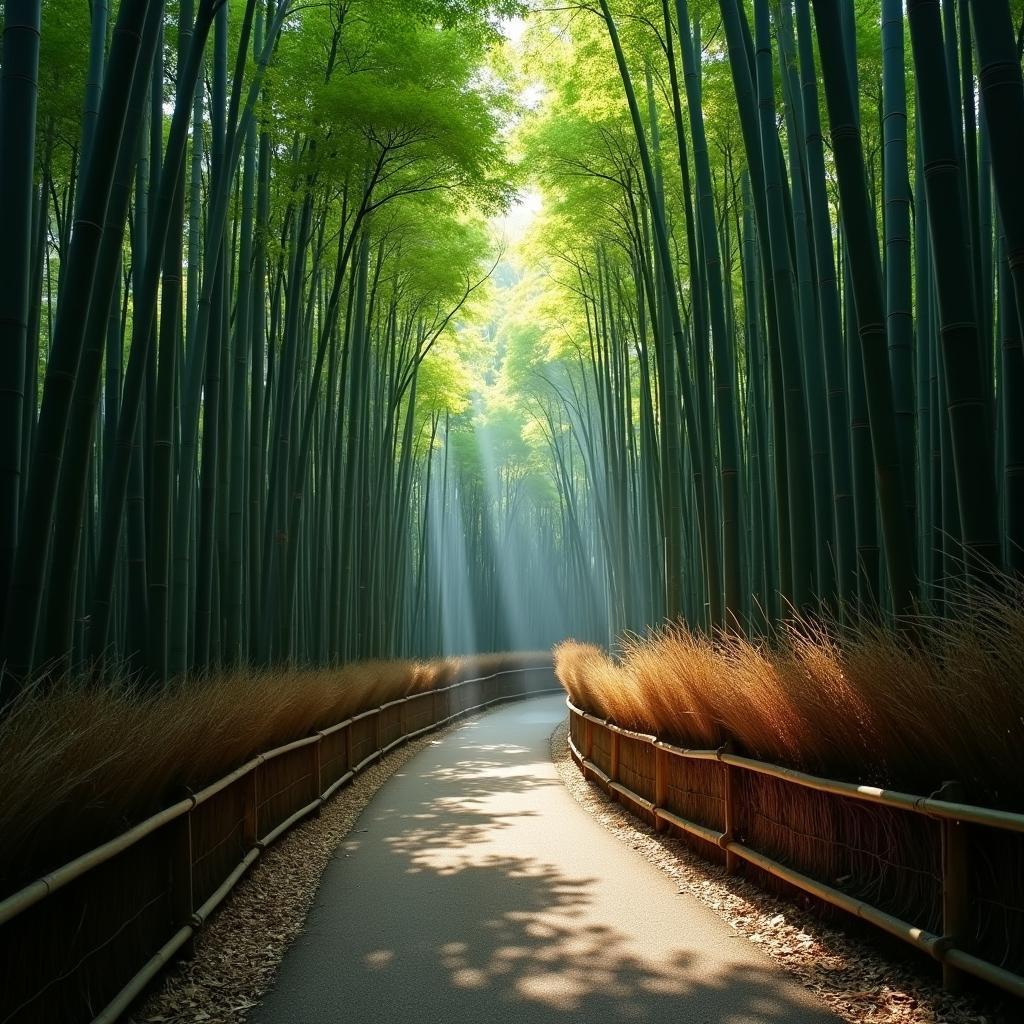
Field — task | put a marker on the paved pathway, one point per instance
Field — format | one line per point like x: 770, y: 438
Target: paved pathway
x: 475, y: 889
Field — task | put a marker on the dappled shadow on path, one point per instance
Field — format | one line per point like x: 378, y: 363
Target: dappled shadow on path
x: 459, y: 900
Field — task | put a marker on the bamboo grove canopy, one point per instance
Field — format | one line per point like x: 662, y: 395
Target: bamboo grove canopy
x: 273, y: 390
x: 786, y: 240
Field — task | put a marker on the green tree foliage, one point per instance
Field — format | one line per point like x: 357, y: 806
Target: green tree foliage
x: 270, y: 391
x: 835, y: 270
x: 248, y: 232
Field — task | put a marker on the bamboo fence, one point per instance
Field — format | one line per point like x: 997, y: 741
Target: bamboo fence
x: 955, y: 865
x: 82, y: 942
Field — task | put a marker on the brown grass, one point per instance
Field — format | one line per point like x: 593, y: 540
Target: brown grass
x: 864, y: 704
x: 78, y: 763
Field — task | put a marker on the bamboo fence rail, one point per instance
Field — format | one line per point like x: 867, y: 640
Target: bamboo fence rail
x: 83, y: 941
x: 624, y: 761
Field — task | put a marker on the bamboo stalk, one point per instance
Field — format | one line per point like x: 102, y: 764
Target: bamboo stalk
x: 369, y: 759
x: 302, y: 812
x: 331, y: 729
x: 919, y: 937
x: 215, y: 787
x: 287, y: 748
x: 635, y: 798
x: 337, y: 784
x: 709, y: 835
x: 956, y: 910
x: 690, y: 754
x: 113, y: 1010
x: 202, y: 915
x: 999, y: 976
x: 48, y: 884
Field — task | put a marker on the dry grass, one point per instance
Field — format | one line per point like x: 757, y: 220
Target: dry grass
x: 863, y: 704
x: 79, y: 763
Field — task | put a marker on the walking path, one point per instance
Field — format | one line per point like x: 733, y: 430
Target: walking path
x: 475, y: 889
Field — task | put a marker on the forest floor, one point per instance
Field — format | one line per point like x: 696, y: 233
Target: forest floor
x: 859, y: 983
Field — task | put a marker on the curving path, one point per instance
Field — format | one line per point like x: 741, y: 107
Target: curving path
x: 475, y: 889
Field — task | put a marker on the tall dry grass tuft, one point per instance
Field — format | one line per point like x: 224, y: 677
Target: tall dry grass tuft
x: 78, y: 763
x: 865, y: 704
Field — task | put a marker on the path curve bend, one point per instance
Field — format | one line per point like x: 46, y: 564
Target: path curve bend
x: 474, y: 888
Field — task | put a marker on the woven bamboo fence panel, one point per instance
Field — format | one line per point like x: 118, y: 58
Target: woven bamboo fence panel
x: 334, y: 756
x: 391, y: 723
x: 944, y: 876
x: 363, y: 732
x: 220, y: 836
x: 81, y: 943
x: 602, y: 750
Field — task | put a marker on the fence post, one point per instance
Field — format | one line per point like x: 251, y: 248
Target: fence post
x: 732, y: 808
x: 181, y: 878
x: 318, y: 788
x: 250, y: 816
x: 955, y: 899
x: 660, y: 786
x: 613, y: 768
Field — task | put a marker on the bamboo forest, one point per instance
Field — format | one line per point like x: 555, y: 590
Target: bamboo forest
x: 366, y: 363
